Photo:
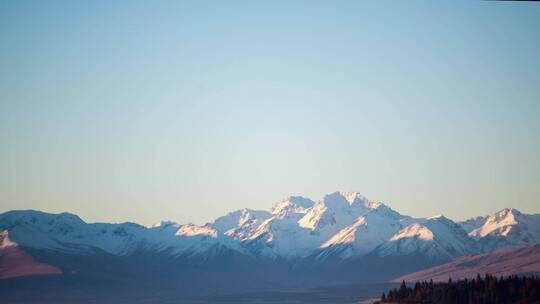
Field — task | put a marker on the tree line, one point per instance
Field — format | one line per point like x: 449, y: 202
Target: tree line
x: 481, y: 290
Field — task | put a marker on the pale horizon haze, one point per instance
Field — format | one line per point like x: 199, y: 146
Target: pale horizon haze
x: 185, y: 110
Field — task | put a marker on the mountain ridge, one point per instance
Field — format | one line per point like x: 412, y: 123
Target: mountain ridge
x: 338, y: 233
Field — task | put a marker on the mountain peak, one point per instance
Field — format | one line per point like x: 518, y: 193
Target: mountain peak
x: 501, y: 224
x: 351, y: 197
x: 239, y: 218
x: 291, y: 205
x: 336, y: 200
x: 194, y: 230
x: 414, y: 230
x: 508, y: 212
x: 162, y: 225
x: 33, y: 216
x: 343, y: 200
x: 440, y: 217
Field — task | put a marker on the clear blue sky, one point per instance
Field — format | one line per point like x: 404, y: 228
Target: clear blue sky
x: 185, y: 110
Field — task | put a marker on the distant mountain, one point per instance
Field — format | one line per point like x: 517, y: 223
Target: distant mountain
x: 299, y: 227
x: 366, y: 232
x: 342, y: 237
x: 239, y: 222
x: 506, y: 228
x: 67, y: 233
x: 520, y: 261
x: 437, y: 238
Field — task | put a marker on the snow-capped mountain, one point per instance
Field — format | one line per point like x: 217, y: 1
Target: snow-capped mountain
x: 280, y: 236
x: 291, y: 206
x: 506, y: 228
x: 342, y: 227
x: 240, y: 218
x: 298, y: 226
x: 66, y: 232
x: 437, y: 238
x: 365, y: 233
x: 336, y: 211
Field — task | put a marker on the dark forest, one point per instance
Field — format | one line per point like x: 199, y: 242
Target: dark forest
x: 488, y: 289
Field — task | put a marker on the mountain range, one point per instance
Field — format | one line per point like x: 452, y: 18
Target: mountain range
x: 343, y: 237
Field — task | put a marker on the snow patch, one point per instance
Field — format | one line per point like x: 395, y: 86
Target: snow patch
x: 194, y: 230
x: 414, y: 230
x: 5, y: 242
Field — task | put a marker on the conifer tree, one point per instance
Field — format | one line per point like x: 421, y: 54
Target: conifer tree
x: 489, y: 289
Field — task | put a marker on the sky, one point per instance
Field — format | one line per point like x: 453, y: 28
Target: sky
x: 185, y: 110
